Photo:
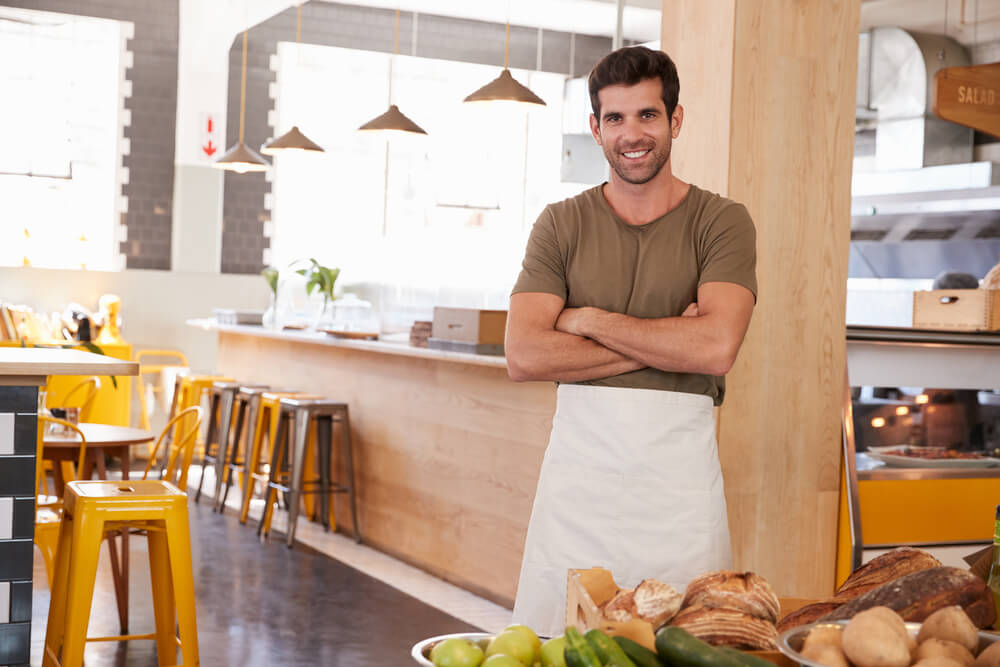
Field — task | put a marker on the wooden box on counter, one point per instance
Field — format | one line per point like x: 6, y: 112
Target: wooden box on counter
x: 957, y: 310
x: 469, y: 325
x: 587, y: 590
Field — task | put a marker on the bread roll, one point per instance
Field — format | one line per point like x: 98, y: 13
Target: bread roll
x: 727, y: 627
x: 745, y: 592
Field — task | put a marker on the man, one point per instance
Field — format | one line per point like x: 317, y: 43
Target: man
x: 635, y: 297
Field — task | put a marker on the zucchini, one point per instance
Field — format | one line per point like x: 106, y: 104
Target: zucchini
x: 678, y: 647
x: 610, y: 653
x: 746, y: 658
x: 639, y: 654
x: 578, y: 652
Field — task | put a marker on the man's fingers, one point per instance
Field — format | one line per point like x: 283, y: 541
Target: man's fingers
x: 690, y: 311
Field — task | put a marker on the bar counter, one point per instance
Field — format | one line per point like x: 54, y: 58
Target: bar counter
x: 446, y: 447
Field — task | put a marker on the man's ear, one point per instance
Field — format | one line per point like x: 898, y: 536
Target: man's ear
x: 595, y: 129
x: 676, y: 121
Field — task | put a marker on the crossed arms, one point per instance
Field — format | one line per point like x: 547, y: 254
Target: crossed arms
x: 544, y: 341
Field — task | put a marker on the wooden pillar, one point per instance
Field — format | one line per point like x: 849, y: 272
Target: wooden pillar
x: 768, y: 88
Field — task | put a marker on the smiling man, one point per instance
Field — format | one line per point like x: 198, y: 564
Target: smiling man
x: 634, y: 297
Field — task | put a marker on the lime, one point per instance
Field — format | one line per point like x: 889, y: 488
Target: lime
x: 554, y: 652
x: 530, y: 634
x: 514, y: 644
x: 499, y: 660
x: 456, y: 652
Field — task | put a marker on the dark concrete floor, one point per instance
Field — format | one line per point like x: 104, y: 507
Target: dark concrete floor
x: 261, y: 605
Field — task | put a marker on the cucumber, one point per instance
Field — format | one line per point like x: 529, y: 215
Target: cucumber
x: 578, y: 652
x: 678, y: 647
x: 746, y: 658
x: 639, y: 654
x: 610, y: 653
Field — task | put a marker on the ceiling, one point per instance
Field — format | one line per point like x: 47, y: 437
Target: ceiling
x: 640, y: 21
x: 969, y: 22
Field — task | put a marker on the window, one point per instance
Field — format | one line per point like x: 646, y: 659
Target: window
x: 452, y: 209
x: 59, y: 131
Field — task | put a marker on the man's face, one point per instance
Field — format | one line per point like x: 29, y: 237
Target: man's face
x: 634, y: 130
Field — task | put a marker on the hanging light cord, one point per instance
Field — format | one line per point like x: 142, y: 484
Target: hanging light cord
x: 243, y: 85
x: 506, y: 47
x: 395, y: 48
x: 298, y: 25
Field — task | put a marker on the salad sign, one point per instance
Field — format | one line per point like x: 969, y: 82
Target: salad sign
x: 969, y: 96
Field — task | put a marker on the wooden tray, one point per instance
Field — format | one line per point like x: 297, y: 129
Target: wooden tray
x: 356, y: 335
x: 957, y: 310
x: 587, y: 590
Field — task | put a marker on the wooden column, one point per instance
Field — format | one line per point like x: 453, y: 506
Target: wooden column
x: 768, y: 89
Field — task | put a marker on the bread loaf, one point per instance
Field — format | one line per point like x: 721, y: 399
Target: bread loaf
x: 805, y: 615
x: 745, y: 592
x: 727, y: 627
x: 885, y: 568
x: 916, y: 596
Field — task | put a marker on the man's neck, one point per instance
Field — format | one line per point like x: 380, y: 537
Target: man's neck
x: 638, y: 204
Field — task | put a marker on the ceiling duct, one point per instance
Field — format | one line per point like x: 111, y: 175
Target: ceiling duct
x: 894, y: 97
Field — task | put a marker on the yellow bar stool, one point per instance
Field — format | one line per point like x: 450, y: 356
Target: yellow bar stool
x: 189, y: 390
x: 264, y: 424
x: 93, y: 508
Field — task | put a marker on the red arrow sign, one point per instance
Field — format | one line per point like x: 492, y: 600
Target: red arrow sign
x: 209, y: 148
x: 210, y: 125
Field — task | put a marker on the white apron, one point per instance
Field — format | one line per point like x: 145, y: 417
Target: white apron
x: 630, y: 482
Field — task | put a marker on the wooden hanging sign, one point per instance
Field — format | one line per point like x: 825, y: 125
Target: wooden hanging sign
x: 969, y: 96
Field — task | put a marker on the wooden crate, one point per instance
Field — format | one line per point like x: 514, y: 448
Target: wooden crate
x: 957, y: 310
x: 587, y: 590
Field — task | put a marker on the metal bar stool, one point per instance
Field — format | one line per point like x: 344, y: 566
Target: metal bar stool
x: 188, y: 392
x: 91, y: 509
x: 225, y: 410
x: 264, y: 425
x: 297, y: 414
x: 248, y: 413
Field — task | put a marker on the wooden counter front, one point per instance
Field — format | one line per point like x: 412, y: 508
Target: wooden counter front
x: 447, y: 452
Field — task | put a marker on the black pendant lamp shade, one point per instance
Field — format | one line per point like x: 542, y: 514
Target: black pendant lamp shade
x: 293, y: 140
x: 392, y: 120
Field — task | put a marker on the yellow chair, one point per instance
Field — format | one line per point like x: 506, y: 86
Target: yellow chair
x: 80, y: 396
x: 188, y: 392
x: 94, y: 508
x: 181, y: 450
x: 147, y: 380
x: 48, y: 509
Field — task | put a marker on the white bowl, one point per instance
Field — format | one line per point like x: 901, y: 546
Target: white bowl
x: 790, y: 642
x: 422, y: 650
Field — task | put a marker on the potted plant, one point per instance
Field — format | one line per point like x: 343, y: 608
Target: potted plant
x: 322, y: 278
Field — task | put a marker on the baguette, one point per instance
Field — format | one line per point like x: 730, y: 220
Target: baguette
x: 885, y: 568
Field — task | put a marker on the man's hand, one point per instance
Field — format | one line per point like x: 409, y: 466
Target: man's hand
x: 573, y: 320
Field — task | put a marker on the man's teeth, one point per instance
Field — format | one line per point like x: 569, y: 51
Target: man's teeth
x: 635, y: 154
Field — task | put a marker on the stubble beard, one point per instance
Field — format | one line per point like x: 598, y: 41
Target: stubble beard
x: 661, y: 155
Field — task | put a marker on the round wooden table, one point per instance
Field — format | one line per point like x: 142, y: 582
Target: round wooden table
x: 102, y: 440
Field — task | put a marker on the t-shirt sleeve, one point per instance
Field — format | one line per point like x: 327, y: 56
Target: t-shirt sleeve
x: 543, y: 268
x: 730, y: 249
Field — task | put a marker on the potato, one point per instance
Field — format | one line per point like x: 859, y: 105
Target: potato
x: 946, y: 648
x: 950, y: 623
x: 825, y: 654
x: 876, y: 637
x: 937, y: 661
x: 990, y: 657
x: 831, y: 635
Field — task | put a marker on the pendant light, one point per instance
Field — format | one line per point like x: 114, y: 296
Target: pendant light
x: 293, y: 140
x: 241, y: 158
x: 505, y: 87
x: 392, y: 121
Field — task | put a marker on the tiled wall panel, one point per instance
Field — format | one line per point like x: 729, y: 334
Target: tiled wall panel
x: 18, y: 425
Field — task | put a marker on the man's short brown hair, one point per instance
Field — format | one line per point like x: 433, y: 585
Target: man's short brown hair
x: 630, y: 65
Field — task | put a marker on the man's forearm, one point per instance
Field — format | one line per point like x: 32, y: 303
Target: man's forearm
x: 563, y: 357
x: 675, y: 344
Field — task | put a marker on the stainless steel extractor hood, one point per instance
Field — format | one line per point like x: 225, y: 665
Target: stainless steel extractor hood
x: 920, y: 205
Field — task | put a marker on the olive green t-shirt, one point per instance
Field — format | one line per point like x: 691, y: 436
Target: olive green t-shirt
x: 583, y: 252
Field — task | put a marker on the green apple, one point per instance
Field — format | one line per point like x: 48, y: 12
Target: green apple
x: 513, y: 644
x: 530, y: 634
x: 456, y: 652
x: 554, y: 652
x: 499, y: 660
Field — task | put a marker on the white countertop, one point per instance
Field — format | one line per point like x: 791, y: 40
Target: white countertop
x: 400, y: 347
x: 35, y: 361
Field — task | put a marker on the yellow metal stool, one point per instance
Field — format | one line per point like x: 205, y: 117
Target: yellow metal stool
x: 92, y: 509
x: 189, y: 390
x: 265, y: 424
